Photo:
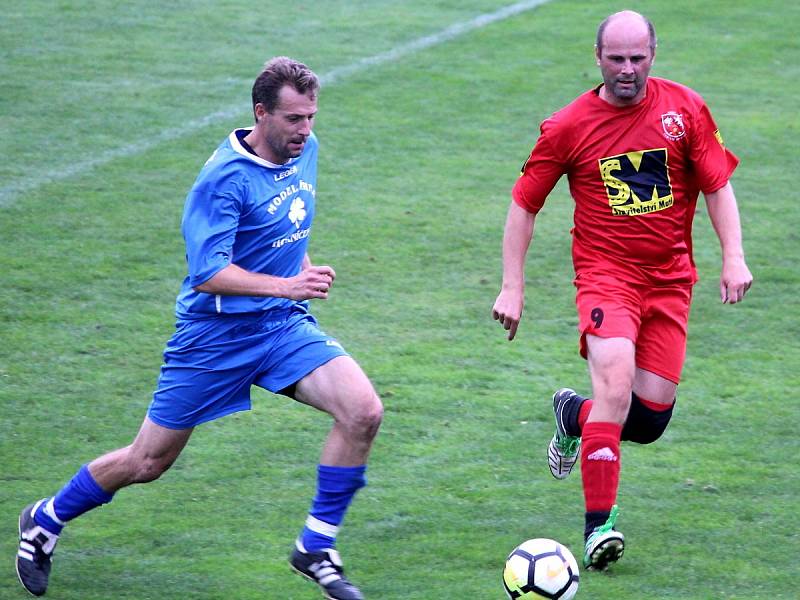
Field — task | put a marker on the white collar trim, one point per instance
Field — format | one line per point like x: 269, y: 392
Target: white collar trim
x: 239, y: 149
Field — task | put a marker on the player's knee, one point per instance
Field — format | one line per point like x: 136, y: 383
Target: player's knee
x: 151, y: 468
x: 645, y: 425
x: 366, y: 420
x: 613, y: 408
x: 612, y: 395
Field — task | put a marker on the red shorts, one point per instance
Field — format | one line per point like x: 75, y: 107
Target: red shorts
x: 653, y: 318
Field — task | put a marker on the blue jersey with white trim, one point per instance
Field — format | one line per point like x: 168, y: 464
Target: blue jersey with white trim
x: 250, y: 212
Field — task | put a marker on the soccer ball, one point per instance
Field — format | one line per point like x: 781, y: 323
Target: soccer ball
x: 541, y: 568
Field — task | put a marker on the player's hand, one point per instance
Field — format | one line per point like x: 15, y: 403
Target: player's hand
x: 734, y: 280
x: 508, y: 310
x: 311, y: 282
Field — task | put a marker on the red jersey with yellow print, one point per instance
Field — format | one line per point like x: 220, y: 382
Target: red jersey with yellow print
x: 635, y: 173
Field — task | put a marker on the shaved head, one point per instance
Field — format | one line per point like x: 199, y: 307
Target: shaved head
x: 626, y: 21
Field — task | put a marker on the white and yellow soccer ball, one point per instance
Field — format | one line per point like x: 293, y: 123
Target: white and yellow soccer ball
x: 541, y: 568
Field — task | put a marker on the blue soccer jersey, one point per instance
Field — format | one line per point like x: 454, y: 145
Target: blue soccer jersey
x: 245, y: 210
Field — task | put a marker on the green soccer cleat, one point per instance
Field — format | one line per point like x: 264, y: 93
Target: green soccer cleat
x: 563, y: 450
x: 604, y: 545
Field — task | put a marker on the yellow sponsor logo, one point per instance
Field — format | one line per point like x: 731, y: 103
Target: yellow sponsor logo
x: 718, y: 135
x: 637, y: 182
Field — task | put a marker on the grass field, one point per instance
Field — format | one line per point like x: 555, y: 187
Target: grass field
x: 107, y: 112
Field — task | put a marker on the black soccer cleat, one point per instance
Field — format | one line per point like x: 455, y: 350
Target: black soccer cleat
x: 35, y: 553
x: 325, y: 569
x: 563, y: 450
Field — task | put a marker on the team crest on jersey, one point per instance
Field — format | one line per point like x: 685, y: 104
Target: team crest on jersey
x: 637, y: 183
x: 672, y: 124
x: 297, y: 212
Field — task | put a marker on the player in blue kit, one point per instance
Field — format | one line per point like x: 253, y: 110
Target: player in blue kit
x: 243, y: 320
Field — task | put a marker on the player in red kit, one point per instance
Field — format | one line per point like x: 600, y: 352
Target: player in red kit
x: 637, y: 152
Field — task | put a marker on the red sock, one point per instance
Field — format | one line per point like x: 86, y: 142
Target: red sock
x: 600, y: 464
x: 584, y: 411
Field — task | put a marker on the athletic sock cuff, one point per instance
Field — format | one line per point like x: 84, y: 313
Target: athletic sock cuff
x: 650, y: 405
x: 92, y: 488
x: 81, y: 494
x: 341, y: 479
x: 602, y: 428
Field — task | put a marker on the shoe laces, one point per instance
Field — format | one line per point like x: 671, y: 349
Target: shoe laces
x: 609, y: 524
x: 567, y: 444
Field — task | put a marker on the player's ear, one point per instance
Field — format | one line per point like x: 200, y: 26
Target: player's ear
x: 597, y: 55
x: 259, y: 111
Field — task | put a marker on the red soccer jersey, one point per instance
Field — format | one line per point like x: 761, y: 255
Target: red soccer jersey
x: 635, y: 174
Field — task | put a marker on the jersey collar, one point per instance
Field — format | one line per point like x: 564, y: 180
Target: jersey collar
x: 237, y: 146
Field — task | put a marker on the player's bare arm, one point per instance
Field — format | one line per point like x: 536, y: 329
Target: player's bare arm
x: 735, y: 278
x: 516, y: 240
x: 311, y: 282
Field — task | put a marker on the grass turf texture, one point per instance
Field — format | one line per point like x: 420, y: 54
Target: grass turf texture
x: 417, y: 160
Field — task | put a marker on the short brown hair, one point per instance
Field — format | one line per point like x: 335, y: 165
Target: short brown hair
x: 278, y: 72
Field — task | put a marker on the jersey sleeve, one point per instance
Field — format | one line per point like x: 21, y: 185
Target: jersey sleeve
x: 539, y: 174
x: 713, y: 162
x: 210, y: 221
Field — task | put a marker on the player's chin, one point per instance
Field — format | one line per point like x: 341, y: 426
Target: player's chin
x: 625, y: 91
x: 295, y: 149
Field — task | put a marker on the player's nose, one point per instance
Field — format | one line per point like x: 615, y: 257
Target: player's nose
x: 305, y: 127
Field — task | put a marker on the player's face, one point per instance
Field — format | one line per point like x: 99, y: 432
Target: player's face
x: 286, y: 129
x: 625, y: 62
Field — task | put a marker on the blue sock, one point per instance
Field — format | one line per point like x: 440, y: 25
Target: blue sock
x: 81, y: 494
x: 336, y: 487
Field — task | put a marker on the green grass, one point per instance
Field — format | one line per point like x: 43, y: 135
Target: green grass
x: 418, y: 156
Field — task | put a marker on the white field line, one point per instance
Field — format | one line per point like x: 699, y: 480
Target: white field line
x: 10, y: 192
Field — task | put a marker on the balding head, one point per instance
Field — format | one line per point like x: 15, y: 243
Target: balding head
x: 625, y: 53
x: 626, y: 23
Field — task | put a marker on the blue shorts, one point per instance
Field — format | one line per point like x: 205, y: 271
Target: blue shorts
x: 210, y: 364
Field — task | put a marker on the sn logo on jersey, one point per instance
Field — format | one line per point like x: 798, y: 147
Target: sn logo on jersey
x: 637, y: 183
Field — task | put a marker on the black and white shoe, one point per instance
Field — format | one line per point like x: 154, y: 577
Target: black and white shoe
x: 563, y: 450
x: 35, y: 553
x: 325, y: 569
